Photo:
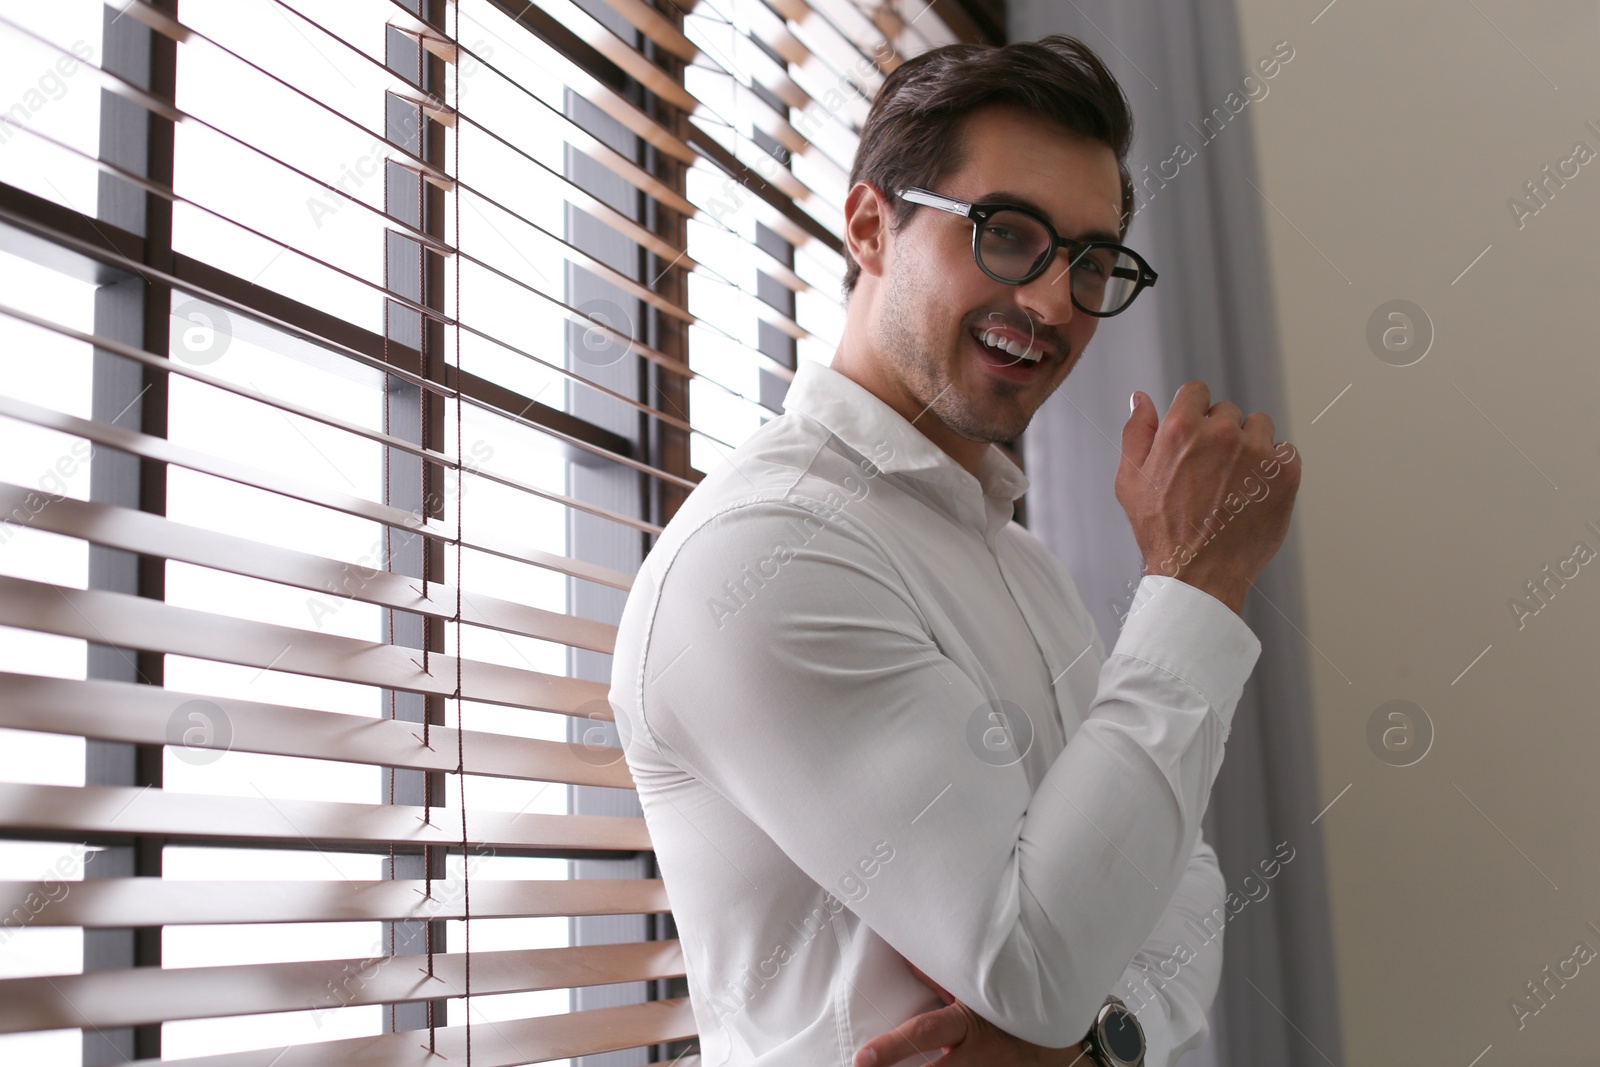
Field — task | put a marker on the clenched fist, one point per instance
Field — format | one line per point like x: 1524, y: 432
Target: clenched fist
x: 1207, y: 492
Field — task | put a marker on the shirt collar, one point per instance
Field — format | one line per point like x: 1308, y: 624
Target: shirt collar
x: 882, y: 435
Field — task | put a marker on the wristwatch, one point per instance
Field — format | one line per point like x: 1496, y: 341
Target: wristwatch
x: 1116, y: 1039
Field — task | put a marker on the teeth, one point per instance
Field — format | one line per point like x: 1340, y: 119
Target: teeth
x: 1011, y: 348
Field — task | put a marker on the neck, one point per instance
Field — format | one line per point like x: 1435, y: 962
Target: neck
x: 858, y: 361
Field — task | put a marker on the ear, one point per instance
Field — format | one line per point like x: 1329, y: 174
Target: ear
x: 866, y: 227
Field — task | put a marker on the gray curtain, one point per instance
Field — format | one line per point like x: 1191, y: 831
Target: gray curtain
x: 1209, y: 317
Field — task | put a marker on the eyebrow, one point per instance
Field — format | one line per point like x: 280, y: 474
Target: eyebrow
x: 1018, y: 200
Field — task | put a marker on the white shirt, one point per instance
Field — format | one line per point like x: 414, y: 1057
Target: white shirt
x: 808, y: 682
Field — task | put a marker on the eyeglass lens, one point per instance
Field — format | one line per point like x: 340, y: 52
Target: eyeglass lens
x: 1012, y: 244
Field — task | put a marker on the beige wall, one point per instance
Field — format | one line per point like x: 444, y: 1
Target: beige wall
x: 1433, y: 492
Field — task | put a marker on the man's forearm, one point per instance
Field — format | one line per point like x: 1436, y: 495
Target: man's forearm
x: 1173, y: 979
x: 1171, y: 982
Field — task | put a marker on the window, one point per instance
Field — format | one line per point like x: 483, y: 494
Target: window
x: 354, y: 351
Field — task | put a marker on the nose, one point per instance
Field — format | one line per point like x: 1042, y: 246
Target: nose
x: 1048, y: 297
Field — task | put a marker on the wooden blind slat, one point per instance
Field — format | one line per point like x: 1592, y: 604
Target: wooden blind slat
x: 57, y: 812
x: 129, y: 902
x: 142, y: 995
x: 363, y: 580
x: 128, y: 621
x: 145, y: 714
x: 505, y: 1044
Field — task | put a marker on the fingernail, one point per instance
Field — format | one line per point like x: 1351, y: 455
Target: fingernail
x: 868, y: 1058
x: 1133, y: 402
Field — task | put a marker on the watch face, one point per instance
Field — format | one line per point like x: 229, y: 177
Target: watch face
x: 1122, y: 1036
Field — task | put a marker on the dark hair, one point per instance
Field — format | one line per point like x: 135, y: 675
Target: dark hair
x: 911, y: 134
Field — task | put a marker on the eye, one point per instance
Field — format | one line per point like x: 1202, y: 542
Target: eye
x: 1099, y: 262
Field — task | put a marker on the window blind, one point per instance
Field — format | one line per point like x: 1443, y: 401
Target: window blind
x: 354, y: 352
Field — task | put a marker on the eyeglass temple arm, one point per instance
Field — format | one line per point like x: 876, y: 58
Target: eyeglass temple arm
x: 943, y: 203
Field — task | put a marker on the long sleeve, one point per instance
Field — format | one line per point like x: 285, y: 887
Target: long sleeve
x: 1173, y: 978
x: 824, y: 710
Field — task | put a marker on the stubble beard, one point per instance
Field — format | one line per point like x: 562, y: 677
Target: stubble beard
x: 917, y: 363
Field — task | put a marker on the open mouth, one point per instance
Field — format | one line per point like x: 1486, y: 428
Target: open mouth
x: 1007, y: 351
x: 1007, y: 357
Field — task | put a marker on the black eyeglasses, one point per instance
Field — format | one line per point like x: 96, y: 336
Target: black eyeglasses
x: 1014, y: 245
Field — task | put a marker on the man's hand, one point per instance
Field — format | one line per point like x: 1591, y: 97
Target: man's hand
x: 954, y: 1036
x: 1207, y: 493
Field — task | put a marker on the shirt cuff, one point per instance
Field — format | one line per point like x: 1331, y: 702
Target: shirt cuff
x: 1190, y: 633
x: 1156, y: 1025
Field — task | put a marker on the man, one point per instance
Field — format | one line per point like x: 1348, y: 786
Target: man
x: 884, y: 759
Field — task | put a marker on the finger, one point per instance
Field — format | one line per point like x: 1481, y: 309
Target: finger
x: 1226, y: 411
x: 1258, y: 426
x: 1139, y: 432
x: 1193, y: 397
x: 1288, y: 459
x: 920, y: 1039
